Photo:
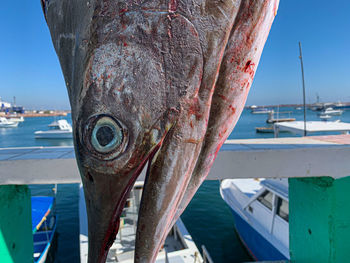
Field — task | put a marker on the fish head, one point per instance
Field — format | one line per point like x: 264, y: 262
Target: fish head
x: 120, y: 122
x: 117, y: 130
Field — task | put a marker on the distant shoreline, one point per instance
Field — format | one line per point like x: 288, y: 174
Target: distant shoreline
x: 291, y: 105
x: 42, y: 114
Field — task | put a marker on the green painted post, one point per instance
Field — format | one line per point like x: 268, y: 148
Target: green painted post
x: 319, y: 222
x: 16, y: 239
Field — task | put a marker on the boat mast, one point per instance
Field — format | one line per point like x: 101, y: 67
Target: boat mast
x: 302, y: 74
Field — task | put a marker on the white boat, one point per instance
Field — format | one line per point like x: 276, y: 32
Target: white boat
x: 325, y: 117
x: 331, y: 111
x: 15, y: 118
x: 178, y: 247
x: 340, y: 105
x: 4, y: 123
x: 261, y: 213
x: 262, y: 111
x: 60, y: 129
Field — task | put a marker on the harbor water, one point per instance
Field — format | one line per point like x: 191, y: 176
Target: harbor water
x: 207, y: 217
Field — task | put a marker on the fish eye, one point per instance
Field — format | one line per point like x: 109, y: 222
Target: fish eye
x: 105, y: 135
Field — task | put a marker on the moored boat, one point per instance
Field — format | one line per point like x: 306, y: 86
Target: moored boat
x: 43, y: 226
x: 15, y: 118
x: 4, y: 123
x: 261, y: 111
x: 340, y: 105
x: 264, y: 129
x: 261, y: 215
x: 331, y: 111
x: 60, y: 129
x: 325, y: 117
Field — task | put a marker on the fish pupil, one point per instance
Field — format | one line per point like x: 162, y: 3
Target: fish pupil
x: 104, y: 135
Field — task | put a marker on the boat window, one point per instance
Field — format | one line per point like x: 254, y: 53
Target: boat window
x: 283, y: 209
x: 266, y: 199
x: 54, y: 128
x: 250, y: 209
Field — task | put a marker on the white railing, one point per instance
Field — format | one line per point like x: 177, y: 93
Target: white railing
x: 206, y: 255
x: 253, y: 158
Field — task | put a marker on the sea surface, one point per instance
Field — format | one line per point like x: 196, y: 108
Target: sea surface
x: 207, y: 217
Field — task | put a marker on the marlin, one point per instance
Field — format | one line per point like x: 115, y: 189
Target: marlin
x: 160, y: 83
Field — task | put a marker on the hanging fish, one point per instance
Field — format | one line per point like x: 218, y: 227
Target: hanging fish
x: 157, y: 82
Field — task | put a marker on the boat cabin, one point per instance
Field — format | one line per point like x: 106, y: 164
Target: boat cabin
x: 270, y: 208
x: 3, y: 120
x: 261, y: 212
x: 60, y: 125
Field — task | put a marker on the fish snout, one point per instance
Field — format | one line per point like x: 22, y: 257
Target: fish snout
x: 105, y: 197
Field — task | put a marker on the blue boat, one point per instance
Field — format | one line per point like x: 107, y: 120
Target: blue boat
x: 261, y: 215
x: 340, y: 106
x: 43, y: 226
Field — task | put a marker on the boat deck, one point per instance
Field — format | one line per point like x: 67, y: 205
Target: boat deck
x: 178, y: 248
x: 249, y: 188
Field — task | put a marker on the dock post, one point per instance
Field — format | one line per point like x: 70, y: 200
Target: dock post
x: 16, y: 239
x: 319, y: 219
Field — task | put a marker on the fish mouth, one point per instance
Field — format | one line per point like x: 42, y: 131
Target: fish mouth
x: 104, y: 204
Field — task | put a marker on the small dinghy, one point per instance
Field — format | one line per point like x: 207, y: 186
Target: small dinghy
x: 43, y: 226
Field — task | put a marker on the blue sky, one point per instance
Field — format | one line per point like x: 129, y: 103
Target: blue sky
x: 29, y: 68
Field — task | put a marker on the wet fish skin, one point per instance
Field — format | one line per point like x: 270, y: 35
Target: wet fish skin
x: 238, y: 67
x: 154, y: 72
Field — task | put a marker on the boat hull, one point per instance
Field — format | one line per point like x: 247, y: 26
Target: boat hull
x: 9, y: 125
x: 258, y: 246
x: 44, y: 223
x: 16, y: 119
x: 261, y: 112
x: 341, y: 107
x: 42, y: 244
x: 331, y: 113
x: 264, y: 129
